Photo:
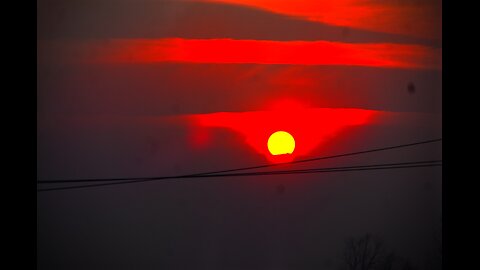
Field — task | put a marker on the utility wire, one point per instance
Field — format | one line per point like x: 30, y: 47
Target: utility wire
x: 333, y: 169
x: 287, y: 172
x: 205, y: 174
x: 249, y: 168
x: 319, y: 171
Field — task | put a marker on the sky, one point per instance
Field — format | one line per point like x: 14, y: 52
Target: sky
x: 153, y: 88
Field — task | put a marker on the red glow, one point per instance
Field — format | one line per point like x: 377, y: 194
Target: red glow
x: 200, y: 137
x: 309, y: 126
x: 262, y: 52
x: 419, y: 18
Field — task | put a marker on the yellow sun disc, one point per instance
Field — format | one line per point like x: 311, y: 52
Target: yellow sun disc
x: 281, y: 142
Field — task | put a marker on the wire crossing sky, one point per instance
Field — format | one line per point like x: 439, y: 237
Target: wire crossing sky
x: 116, y: 181
x: 316, y: 170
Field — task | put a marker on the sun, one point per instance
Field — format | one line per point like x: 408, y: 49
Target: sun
x: 280, y: 143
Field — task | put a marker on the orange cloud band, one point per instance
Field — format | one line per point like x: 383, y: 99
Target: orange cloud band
x: 310, y: 127
x: 262, y: 52
x: 419, y: 18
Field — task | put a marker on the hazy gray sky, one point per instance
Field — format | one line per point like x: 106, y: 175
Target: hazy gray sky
x: 126, y: 120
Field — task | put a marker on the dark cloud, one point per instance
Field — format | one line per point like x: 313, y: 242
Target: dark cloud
x: 85, y: 19
x: 168, y: 89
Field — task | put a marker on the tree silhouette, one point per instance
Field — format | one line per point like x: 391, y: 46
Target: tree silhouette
x: 364, y: 253
x: 388, y: 261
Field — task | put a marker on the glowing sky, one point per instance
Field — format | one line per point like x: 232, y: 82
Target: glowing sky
x: 263, y: 52
x: 145, y: 88
x: 417, y: 18
x: 309, y: 126
x: 228, y: 58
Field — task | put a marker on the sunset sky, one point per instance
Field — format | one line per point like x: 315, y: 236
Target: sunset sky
x: 154, y: 87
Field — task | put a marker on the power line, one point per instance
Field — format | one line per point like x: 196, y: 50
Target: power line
x: 334, y: 169
x: 319, y: 171
x: 252, y: 167
x: 205, y: 174
x: 247, y: 174
x: 403, y: 165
